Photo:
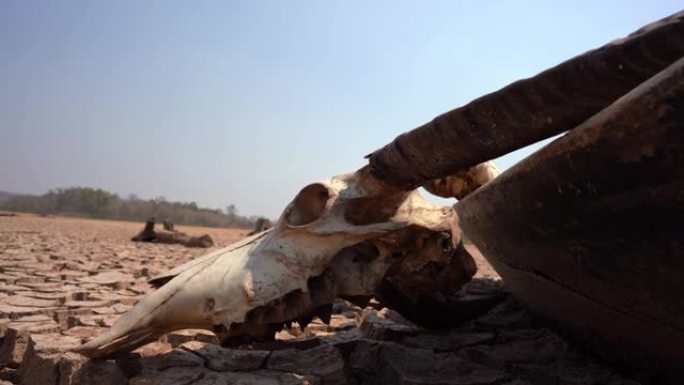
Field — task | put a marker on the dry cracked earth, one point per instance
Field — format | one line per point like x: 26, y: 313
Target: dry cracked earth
x: 64, y: 280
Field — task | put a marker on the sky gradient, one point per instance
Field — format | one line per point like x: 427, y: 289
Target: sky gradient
x: 246, y: 102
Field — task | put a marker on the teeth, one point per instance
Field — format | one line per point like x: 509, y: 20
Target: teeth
x: 323, y: 312
x: 275, y: 314
x: 304, y: 321
x: 297, y: 298
x: 263, y: 322
x: 296, y: 303
x: 322, y: 290
x: 256, y: 316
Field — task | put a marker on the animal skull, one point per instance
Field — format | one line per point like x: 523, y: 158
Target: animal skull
x: 342, y: 237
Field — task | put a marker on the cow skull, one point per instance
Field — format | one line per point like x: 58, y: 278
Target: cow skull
x: 339, y: 238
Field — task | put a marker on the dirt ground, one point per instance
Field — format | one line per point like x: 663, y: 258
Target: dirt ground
x: 63, y: 280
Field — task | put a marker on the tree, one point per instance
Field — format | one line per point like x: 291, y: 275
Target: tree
x: 231, y: 211
x: 98, y: 203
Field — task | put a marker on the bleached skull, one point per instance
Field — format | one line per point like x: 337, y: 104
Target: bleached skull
x: 342, y: 237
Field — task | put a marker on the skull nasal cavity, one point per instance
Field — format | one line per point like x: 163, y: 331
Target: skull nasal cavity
x: 308, y: 206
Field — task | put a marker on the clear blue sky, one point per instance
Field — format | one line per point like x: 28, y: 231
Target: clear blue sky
x: 245, y: 102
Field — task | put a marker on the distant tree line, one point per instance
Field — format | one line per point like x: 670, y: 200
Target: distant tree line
x: 101, y: 204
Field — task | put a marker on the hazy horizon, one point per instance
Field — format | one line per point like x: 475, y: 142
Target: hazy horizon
x: 246, y: 102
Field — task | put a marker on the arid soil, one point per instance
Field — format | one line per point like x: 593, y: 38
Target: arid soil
x: 63, y: 280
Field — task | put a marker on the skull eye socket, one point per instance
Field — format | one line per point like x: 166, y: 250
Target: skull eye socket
x: 308, y: 205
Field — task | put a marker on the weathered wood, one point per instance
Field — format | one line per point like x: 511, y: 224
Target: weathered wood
x: 148, y: 234
x: 529, y: 110
x: 588, y: 230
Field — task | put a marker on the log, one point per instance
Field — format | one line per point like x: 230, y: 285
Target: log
x: 588, y: 230
x: 529, y: 110
x: 148, y: 234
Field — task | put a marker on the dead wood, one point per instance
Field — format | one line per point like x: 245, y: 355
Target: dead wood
x: 148, y: 234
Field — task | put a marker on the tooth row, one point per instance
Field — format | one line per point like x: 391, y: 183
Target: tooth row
x: 299, y: 306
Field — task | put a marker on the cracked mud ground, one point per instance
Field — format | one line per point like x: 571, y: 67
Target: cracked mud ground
x: 64, y: 280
